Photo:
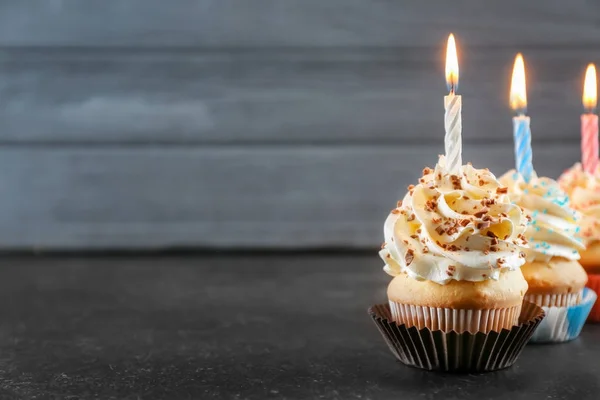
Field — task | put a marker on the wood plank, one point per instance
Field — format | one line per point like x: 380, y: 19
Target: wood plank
x: 281, y: 197
x: 263, y: 23
x: 296, y: 96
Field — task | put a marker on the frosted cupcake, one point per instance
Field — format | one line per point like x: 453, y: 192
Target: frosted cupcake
x: 454, y: 246
x: 555, y: 277
x: 584, y: 191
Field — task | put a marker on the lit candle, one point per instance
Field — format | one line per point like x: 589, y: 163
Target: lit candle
x: 453, y: 106
x: 589, y: 122
x: 521, y: 129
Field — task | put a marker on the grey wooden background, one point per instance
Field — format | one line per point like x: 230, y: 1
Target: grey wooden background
x: 264, y: 123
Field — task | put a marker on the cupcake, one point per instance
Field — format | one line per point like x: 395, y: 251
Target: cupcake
x: 555, y: 277
x: 454, y: 247
x: 584, y: 190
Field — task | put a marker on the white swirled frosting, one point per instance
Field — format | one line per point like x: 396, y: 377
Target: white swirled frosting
x: 454, y: 227
x: 553, y: 227
x: 583, y: 189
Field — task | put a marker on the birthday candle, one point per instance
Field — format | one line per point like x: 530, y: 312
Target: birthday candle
x: 589, y: 122
x: 521, y: 127
x: 453, y: 107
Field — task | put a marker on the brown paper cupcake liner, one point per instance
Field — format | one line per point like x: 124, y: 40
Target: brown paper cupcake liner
x: 456, y: 352
x: 594, y: 284
x: 447, y: 319
x: 555, y: 300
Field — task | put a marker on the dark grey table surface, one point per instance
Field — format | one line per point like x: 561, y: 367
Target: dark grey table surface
x: 244, y: 326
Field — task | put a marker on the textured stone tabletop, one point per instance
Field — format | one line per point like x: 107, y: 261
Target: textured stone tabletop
x: 232, y: 327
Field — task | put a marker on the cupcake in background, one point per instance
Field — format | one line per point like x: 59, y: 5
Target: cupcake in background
x: 454, y: 246
x: 583, y: 189
x: 555, y: 277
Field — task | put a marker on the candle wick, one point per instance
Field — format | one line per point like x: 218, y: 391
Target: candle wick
x: 451, y: 87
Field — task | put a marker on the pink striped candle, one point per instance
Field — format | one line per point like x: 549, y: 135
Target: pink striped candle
x: 589, y: 122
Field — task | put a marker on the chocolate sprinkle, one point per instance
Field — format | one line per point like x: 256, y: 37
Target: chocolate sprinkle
x: 481, y: 213
x: 483, y: 225
x: 455, y: 182
x: 430, y: 205
x: 409, y: 257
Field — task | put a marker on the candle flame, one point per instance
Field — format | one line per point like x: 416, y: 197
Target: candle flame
x: 590, y: 88
x: 451, y: 65
x: 518, y: 88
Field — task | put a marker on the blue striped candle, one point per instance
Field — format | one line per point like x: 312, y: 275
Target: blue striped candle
x: 523, y: 154
x: 522, y: 133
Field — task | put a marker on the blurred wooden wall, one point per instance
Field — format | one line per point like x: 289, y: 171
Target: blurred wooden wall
x: 264, y: 123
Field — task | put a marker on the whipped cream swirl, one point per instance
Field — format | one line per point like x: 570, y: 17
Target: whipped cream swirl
x: 584, y: 190
x: 553, y: 228
x: 454, y: 227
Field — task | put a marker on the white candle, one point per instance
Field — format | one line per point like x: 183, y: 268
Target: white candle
x: 453, y: 107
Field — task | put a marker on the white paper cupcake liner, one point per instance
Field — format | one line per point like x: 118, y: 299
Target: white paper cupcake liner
x: 564, y: 323
x: 447, y: 319
x: 555, y: 300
